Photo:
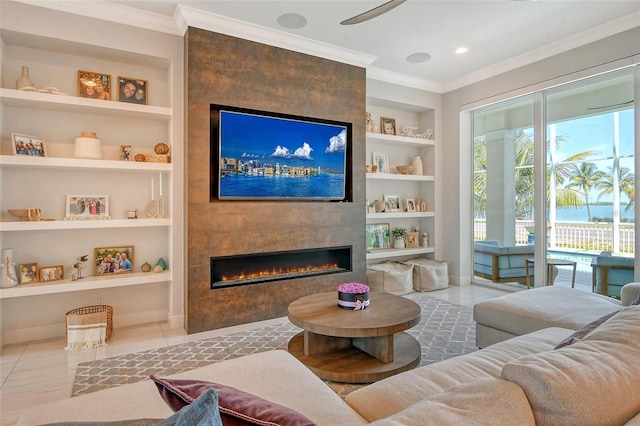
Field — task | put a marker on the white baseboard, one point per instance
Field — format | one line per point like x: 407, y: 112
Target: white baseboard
x: 176, y: 321
x: 25, y: 335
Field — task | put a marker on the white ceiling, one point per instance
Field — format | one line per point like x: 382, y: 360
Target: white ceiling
x: 500, y: 34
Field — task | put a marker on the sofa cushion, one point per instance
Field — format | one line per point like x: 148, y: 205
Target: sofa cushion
x: 236, y: 407
x: 530, y: 310
x: 393, y: 394
x: 581, y: 333
x: 481, y: 402
x: 589, y: 382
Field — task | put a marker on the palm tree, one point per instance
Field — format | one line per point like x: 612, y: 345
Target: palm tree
x: 584, y: 177
x: 626, y: 181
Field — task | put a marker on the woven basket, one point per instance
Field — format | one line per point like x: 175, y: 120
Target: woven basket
x: 92, y: 310
x: 403, y: 169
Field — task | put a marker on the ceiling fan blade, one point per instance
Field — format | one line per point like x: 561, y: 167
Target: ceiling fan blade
x: 370, y: 14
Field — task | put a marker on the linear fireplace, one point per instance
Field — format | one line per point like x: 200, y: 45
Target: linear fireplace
x: 253, y: 268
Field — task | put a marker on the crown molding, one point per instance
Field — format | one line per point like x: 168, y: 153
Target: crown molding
x: 574, y: 41
x: 401, y: 79
x: 111, y: 12
x: 241, y: 29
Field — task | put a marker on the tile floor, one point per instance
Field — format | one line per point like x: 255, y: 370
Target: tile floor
x: 38, y: 372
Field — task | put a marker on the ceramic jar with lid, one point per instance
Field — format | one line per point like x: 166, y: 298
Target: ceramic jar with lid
x: 88, y: 146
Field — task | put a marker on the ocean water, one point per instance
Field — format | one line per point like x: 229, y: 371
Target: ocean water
x: 320, y: 185
x: 601, y: 211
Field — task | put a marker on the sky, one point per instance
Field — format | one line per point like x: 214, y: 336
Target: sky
x: 283, y: 141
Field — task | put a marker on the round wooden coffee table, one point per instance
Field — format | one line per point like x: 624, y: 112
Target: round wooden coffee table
x: 355, y: 346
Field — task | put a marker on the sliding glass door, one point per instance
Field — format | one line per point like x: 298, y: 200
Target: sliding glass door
x: 576, y: 143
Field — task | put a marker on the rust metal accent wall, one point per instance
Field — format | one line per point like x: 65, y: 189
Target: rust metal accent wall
x: 226, y: 70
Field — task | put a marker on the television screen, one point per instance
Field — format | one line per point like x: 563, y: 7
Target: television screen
x: 271, y: 156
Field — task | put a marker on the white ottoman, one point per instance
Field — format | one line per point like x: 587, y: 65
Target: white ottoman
x: 520, y: 313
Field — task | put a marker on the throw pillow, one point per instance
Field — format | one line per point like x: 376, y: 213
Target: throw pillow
x: 236, y: 407
x: 202, y: 412
x: 581, y: 333
x: 636, y: 302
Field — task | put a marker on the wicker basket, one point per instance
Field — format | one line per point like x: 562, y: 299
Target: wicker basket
x: 403, y: 170
x: 92, y: 310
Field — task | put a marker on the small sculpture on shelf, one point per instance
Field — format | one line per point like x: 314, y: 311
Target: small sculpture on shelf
x: 76, y: 269
x: 8, y: 269
x: 371, y: 126
x: 425, y: 240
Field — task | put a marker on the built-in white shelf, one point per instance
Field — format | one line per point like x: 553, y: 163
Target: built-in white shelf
x: 405, y: 140
x: 77, y: 163
x: 386, y: 253
x: 48, y: 225
x: 399, y: 215
x: 390, y: 176
x: 66, y: 103
x: 88, y: 283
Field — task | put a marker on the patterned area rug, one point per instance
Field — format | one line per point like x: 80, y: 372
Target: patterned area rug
x: 445, y: 330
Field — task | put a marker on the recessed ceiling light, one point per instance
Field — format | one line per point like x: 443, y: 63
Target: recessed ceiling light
x: 292, y: 21
x: 417, y: 58
x: 461, y: 50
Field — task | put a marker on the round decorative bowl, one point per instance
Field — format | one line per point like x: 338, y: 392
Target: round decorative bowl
x: 22, y: 214
x: 403, y: 170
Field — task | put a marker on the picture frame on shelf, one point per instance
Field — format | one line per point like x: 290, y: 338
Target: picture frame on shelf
x: 29, y: 273
x: 87, y: 207
x: 113, y: 260
x: 410, y: 204
x: 133, y: 90
x: 378, y: 236
x: 94, y: 85
x: 412, y: 240
x: 33, y: 146
x: 388, y: 126
x: 381, y: 161
x: 51, y: 273
x: 125, y: 153
x: 392, y: 201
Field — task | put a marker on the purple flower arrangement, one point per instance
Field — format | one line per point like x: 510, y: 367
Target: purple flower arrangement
x: 353, y: 296
x: 353, y: 288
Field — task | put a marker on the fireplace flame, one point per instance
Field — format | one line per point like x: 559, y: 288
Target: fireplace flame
x: 280, y: 271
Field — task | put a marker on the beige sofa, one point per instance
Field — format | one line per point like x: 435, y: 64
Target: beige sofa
x: 519, y: 313
x: 521, y: 381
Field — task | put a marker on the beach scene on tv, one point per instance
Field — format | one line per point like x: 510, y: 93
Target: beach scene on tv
x: 263, y: 157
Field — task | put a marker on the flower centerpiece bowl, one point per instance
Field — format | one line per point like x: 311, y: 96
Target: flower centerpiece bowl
x: 353, y: 296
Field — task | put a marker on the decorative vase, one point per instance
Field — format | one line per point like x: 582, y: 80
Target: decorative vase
x: 398, y: 242
x: 9, y: 277
x: 24, y: 81
x: 416, y: 165
x: 378, y: 206
x: 88, y: 146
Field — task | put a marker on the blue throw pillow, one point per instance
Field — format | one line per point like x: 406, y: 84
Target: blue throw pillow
x: 201, y: 412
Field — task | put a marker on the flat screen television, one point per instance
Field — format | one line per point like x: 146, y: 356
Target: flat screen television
x: 261, y: 155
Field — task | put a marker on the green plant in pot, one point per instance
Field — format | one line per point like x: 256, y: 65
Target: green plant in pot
x: 399, y: 237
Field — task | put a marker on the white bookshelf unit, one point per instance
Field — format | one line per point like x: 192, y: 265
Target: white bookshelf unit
x: 400, y: 150
x: 54, y: 56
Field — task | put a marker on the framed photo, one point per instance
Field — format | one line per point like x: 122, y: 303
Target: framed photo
x: 85, y: 207
x: 412, y: 240
x: 378, y: 236
x: 381, y: 161
x: 51, y: 273
x: 125, y: 152
x: 94, y: 85
x: 388, y: 126
x: 113, y: 260
x: 28, y: 145
x: 393, y: 202
x: 411, y: 205
x: 133, y: 90
x: 29, y: 273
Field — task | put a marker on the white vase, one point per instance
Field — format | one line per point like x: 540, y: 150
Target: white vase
x: 398, y: 242
x: 8, y: 270
x: 24, y: 80
x: 416, y: 165
x: 88, y: 146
